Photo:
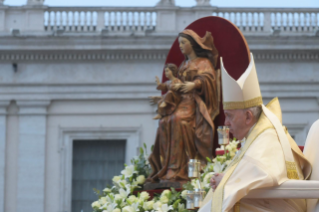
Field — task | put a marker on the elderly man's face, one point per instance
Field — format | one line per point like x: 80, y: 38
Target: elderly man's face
x: 237, y: 122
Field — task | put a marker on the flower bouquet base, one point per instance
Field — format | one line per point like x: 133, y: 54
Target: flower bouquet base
x: 154, y: 192
x: 163, y: 185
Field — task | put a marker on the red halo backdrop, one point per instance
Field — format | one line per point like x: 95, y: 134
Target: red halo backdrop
x: 231, y: 45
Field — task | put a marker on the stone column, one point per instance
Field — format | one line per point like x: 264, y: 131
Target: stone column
x: 31, y: 161
x: 3, y: 130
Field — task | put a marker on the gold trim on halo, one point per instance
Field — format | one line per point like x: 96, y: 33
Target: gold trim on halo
x: 244, y: 104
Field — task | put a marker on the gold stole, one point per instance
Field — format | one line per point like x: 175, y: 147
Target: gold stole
x: 218, y: 196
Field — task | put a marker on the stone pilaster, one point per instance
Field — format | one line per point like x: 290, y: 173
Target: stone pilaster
x: 3, y: 129
x: 31, y: 161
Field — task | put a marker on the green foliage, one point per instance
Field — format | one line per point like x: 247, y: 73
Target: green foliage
x: 96, y: 191
x: 188, y: 186
x: 141, y: 163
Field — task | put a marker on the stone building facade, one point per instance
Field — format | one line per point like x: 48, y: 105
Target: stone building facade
x: 84, y: 73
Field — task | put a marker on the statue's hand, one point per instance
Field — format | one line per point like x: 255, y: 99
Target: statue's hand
x: 154, y: 99
x: 177, y: 86
x: 215, y: 180
x: 157, y: 80
x: 187, y: 87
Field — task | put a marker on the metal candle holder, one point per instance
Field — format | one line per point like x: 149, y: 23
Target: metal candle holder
x: 223, y: 135
x: 199, y: 197
x: 193, y: 168
x: 190, y: 200
x: 194, y: 199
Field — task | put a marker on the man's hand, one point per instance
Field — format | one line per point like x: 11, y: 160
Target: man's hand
x: 215, y: 180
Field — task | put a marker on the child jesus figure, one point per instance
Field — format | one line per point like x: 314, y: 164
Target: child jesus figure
x: 170, y: 100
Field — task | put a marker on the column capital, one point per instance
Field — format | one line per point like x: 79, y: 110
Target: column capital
x: 33, y: 107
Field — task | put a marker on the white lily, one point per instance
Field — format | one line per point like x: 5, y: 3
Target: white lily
x: 157, y: 205
x: 122, y: 194
x: 218, y: 168
x: 196, y: 183
x: 128, y: 209
x: 111, y: 207
x: 181, y: 207
x: 135, y: 206
x: 108, y: 198
x: 165, y: 208
x: 221, y: 148
x: 128, y: 171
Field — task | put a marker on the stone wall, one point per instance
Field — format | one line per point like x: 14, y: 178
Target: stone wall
x: 66, y: 80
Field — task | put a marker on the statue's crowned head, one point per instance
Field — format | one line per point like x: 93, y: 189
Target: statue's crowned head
x: 243, y: 93
x: 202, y: 46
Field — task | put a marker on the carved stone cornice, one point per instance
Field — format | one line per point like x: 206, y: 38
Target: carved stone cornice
x: 284, y: 56
x: 33, y: 107
x: 81, y: 56
x: 160, y: 55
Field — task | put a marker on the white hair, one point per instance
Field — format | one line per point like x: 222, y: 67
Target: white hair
x: 256, y: 111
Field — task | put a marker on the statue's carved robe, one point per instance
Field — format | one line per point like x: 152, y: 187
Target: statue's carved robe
x: 189, y: 131
x: 260, y: 164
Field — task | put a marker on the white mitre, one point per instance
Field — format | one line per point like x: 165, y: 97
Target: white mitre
x: 243, y: 93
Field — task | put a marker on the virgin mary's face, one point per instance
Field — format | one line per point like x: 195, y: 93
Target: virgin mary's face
x: 185, y: 46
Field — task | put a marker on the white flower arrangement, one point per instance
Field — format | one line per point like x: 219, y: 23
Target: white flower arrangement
x: 120, y: 198
x: 217, y: 165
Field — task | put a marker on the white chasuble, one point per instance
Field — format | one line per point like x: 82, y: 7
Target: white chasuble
x: 260, y: 164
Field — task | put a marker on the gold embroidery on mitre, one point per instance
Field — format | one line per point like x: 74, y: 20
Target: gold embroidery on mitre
x: 292, y: 170
x: 244, y: 104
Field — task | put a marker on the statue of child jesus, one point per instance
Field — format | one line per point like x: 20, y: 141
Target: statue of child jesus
x: 168, y: 103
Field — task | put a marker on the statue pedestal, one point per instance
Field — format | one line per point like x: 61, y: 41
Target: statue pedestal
x: 163, y: 185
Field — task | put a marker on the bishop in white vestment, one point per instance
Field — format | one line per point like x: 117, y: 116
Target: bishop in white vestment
x: 268, y: 157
